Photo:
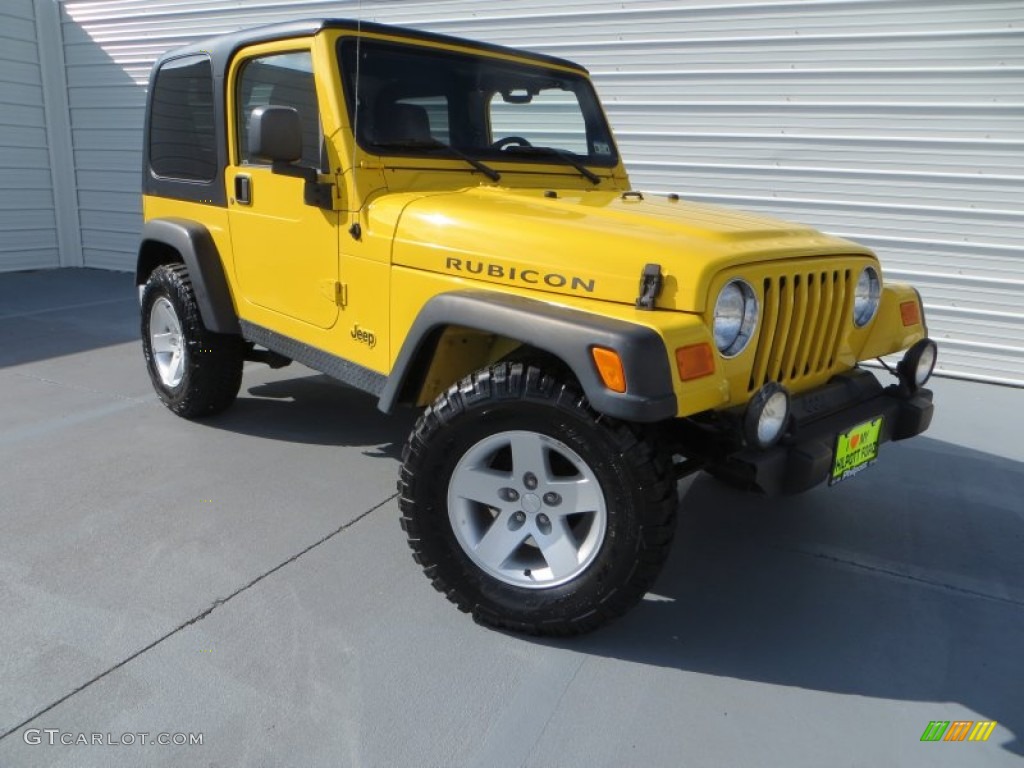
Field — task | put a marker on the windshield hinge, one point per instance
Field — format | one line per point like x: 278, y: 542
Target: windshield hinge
x: 650, y: 286
x: 319, y: 194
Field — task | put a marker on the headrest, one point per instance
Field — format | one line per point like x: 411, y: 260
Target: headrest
x: 399, y: 123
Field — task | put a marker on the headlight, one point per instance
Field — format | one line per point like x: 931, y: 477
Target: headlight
x: 735, y: 317
x: 865, y: 299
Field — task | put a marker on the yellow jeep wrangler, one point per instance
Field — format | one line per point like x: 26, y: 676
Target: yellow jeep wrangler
x: 445, y: 223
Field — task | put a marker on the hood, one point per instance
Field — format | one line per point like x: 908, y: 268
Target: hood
x: 595, y: 243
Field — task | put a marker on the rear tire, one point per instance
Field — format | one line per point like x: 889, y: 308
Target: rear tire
x: 530, y: 510
x: 195, y: 372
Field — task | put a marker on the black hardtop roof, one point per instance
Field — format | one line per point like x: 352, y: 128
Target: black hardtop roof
x: 222, y: 48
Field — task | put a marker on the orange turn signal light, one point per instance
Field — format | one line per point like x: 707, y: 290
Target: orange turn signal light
x: 910, y: 312
x: 695, y: 361
x: 609, y: 366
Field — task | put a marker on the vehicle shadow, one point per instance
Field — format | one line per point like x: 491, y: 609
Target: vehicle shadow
x: 46, y: 314
x: 317, y: 410
x: 906, y: 583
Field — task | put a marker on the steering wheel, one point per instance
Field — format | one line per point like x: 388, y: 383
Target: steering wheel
x: 509, y: 141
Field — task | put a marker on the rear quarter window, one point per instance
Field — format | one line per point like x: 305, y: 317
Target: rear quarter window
x: 182, y: 137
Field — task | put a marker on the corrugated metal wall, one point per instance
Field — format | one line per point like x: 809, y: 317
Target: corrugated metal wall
x: 27, y: 218
x: 899, y: 123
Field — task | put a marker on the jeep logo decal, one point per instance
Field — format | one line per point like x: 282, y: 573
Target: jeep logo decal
x: 528, y: 276
x: 364, y: 336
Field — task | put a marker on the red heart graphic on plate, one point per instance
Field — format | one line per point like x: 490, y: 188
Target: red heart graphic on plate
x: 854, y: 440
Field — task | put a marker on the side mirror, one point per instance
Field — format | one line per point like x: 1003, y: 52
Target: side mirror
x: 275, y: 133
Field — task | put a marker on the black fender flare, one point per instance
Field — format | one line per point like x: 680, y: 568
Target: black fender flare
x: 566, y: 333
x: 199, y: 252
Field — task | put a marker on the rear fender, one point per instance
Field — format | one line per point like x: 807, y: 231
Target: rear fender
x: 161, y: 239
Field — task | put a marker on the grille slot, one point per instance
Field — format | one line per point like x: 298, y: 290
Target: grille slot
x: 800, y: 325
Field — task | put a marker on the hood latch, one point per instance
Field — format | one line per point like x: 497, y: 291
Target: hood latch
x: 650, y: 286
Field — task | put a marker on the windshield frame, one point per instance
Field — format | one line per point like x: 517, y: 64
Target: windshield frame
x: 595, y: 123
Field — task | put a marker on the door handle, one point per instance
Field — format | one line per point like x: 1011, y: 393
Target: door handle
x: 243, y: 189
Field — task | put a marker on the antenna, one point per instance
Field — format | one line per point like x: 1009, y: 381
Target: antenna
x: 355, y: 229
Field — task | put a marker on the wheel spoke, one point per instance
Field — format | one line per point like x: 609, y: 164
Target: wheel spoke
x: 158, y: 316
x: 578, y: 495
x: 162, y: 342
x: 164, y: 316
x: 177, y: 366
x: 499, y: 542
x: 559, y: 549
x: 482, y: 485
x: 528, y: 455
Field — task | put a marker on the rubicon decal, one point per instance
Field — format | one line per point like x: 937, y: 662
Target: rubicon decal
x: 520, y: 275
x: 958, y: 730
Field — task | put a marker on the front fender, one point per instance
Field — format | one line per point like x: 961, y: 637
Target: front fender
x: 889, y: 334
x: 567, y: 333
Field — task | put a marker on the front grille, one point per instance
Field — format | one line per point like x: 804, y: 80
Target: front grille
x: 801, y: 322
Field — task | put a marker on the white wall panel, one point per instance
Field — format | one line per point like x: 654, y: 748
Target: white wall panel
x: 28, y: 229
x: 899, y: 123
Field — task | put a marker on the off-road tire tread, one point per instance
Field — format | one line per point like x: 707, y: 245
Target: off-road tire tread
x: 515, y: 381
x: 214, y: 361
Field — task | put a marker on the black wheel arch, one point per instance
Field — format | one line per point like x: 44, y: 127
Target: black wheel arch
x: 169, y: 240
x: 566, y: 334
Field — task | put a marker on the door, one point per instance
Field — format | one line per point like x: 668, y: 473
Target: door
x: 285, y: 251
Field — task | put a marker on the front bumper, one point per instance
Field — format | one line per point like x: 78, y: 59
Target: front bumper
x: 804, y: 458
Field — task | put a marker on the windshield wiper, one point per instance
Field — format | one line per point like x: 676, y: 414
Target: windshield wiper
x: 564, y: 154
x: 485, y: 169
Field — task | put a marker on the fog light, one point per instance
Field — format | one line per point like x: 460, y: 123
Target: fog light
x: 918, y: 363
x: 767, y: 415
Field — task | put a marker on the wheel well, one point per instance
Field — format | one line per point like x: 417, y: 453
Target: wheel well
x: 449, y: 353
x: 153, y: 254
x: 551, y: 363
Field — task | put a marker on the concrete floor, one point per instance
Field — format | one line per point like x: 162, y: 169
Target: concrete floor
x: 245, y: 578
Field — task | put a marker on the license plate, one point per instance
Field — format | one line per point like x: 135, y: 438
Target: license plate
x: 856, y: 450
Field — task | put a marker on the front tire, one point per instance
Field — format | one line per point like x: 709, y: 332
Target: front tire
x: 531, y: 511
x: 195, y: 372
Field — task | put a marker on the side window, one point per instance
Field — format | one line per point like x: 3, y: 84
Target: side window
x: 182, y: 137
x: 283, y: 80
x: 551, y: 118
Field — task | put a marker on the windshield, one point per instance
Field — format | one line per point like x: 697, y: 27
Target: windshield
x: 415, y: 100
